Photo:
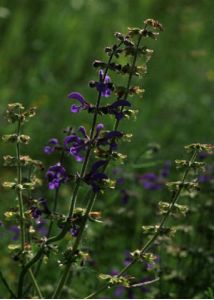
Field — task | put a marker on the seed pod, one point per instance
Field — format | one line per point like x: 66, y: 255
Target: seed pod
x: 99, y: 64
x: 119, y: 36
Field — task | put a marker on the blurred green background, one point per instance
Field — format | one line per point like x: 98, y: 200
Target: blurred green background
x: 47, y: 48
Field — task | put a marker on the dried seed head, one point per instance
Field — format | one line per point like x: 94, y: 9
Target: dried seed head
x: 154, y: 23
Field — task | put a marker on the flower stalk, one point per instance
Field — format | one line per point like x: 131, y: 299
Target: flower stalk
x: 93, y: 198
x: 19, y: 191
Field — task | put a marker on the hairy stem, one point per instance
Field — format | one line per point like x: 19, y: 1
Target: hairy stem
x: 25, y: 270
x: 75, y: 248
x: 67, y: 269
x: 19, y: 191
x: 35, y: 284
x: 4, y: 281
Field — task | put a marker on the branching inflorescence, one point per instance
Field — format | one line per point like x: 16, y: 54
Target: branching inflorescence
x: 93, y: 150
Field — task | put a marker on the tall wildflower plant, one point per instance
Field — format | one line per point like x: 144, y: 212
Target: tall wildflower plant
x: 93, y: 150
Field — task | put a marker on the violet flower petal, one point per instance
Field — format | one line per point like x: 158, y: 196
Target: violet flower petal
x: 78, y: 97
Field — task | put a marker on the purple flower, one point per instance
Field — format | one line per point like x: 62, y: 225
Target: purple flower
x: 208, y: 175
x: 74, y: 230
x: 83, y: 104
x: 115, y: 108
x: 77, y: 145
x: 44, y: 205
x: 109, y: 139
x: 99, y: 128
x: 50, y: 148
x: 95, y: 177
x: 153, y: 181
x: 150, y: 181
x: 204, y: 178
x: 202, y: 155
x: 35, y: 212
x: 56, y: 175
x: 104, y: 86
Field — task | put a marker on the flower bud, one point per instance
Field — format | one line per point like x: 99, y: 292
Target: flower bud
x: 99, y: 64
x: 154, y: 23
x: 119, y: 36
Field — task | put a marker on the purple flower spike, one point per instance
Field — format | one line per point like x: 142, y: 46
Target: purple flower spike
x: 110, y: 139
x: 35, y: 212
x: 120, y: 103
x: 153, y: 181
x: 53, y: 141
x: 96, y: 177
x: 56, y: 175
x: 83, y: 131
x: 97, y: 165
x: 98, y: 129
x: 104, y: 86
x: 83, y: 104
x: 50, y: 148
x: 116, y: 108
x: 76, y: 145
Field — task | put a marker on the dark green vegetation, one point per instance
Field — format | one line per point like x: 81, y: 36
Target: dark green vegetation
x: 47, y: 48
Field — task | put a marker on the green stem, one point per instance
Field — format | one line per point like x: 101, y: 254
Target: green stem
x: 130, y: 77
x: 126, y: 93
x: 26, y: 268
x: 97, y: 292
x: 50, y: 225
x: 7, y: 286
x: 173, y: 201
x: 19, y: 192
x: 56, y: 196
x: 35, y: 284
x: 86, y: 160
x: 74, y: 249
x: 54, y: 211
x: 154, y: 237
x: 108, y: 286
